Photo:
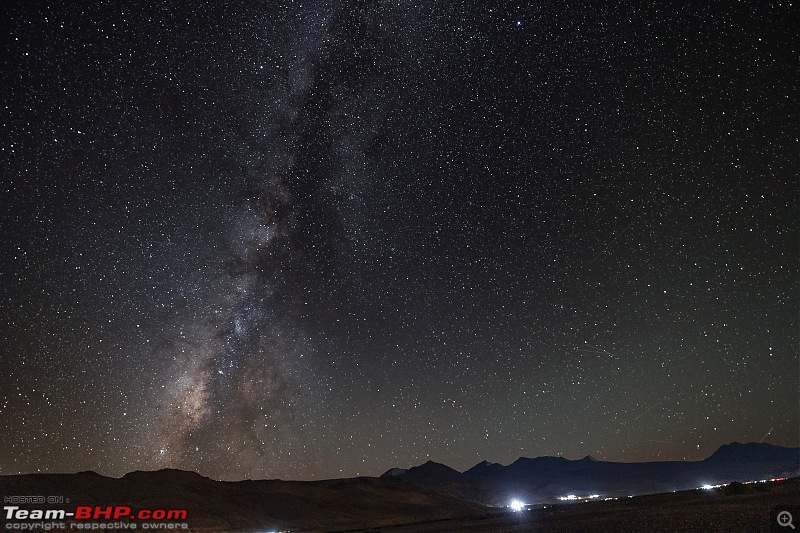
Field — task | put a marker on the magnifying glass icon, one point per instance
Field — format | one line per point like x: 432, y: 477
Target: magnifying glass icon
x: 785, y: 519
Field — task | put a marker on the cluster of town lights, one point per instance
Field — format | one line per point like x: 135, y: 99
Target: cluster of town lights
x: 574, y: 498
x: 517, y: 505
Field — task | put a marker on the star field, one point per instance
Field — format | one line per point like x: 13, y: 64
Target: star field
x: 312, y: 240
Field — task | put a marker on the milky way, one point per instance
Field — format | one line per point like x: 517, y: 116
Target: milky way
x: 323, y: 240
x: 240, y: 387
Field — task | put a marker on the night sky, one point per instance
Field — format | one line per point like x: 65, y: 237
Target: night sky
x: 309, y: 240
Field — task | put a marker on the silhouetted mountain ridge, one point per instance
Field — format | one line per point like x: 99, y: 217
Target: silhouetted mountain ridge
x: 752, y: 452
x: 430, y: 491
x: 432, y: 471
x: 547, y: 477
x: 485, y: 469
x: 165, y: 473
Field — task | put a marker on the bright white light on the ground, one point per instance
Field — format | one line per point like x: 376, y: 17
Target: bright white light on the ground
x: 709, y: 487
x: 516, y: 505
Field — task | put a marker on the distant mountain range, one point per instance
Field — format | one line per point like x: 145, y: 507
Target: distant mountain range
x: 430, y: 491
x: 547, y: 478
